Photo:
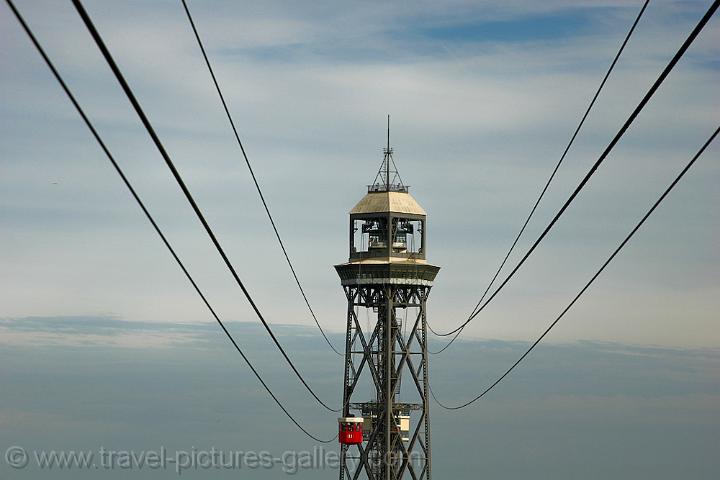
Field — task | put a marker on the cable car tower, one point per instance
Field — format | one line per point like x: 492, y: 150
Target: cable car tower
x: 385, y: 428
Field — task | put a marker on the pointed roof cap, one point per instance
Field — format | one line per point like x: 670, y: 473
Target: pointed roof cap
x: 382, y: 202
x: 388, y: 193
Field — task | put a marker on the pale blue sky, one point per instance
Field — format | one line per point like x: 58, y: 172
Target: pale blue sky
x: 103, y: 342
x: 483, y: 97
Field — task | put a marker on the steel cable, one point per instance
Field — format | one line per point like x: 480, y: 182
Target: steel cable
x: 150, y: 218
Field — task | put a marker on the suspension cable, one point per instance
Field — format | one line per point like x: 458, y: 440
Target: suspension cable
x: 150, y: 218
x: 646, y: 98
x: 590, y: 282
x: 254, y: 178
x: 549, y: 180
x: 151, y: 131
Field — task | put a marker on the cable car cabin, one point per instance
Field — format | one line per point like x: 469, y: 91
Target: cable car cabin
x: 351, y: 430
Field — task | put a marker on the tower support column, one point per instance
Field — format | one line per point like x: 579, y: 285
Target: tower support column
x: 386, y: 382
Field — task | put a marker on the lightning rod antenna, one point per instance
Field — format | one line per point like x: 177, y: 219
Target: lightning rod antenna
x: 387, y: 159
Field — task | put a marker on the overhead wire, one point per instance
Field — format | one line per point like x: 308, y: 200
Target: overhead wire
x: 480, y: 308
x: 590, y: 282
x: 549, y: 180
x: 646, y: 98
x: 150, y: 218
x: 254, y: 178
x: 156, y: 140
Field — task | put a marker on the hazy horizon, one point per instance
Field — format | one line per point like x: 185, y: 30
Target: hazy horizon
x: 573, y: 410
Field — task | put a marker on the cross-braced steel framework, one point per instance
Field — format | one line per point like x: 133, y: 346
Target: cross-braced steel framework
x: 386, y: 352
x: 386, y: 273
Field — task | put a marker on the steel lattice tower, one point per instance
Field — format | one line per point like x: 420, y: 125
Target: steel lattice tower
x: 387, y: 279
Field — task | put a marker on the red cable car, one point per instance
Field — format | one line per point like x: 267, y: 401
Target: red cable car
x: 351, y: 430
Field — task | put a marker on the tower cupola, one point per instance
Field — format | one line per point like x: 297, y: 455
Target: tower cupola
x: 387, y: 232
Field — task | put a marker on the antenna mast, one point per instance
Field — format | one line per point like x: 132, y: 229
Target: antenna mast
x: 387, y: 178
x: 387, y: 157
